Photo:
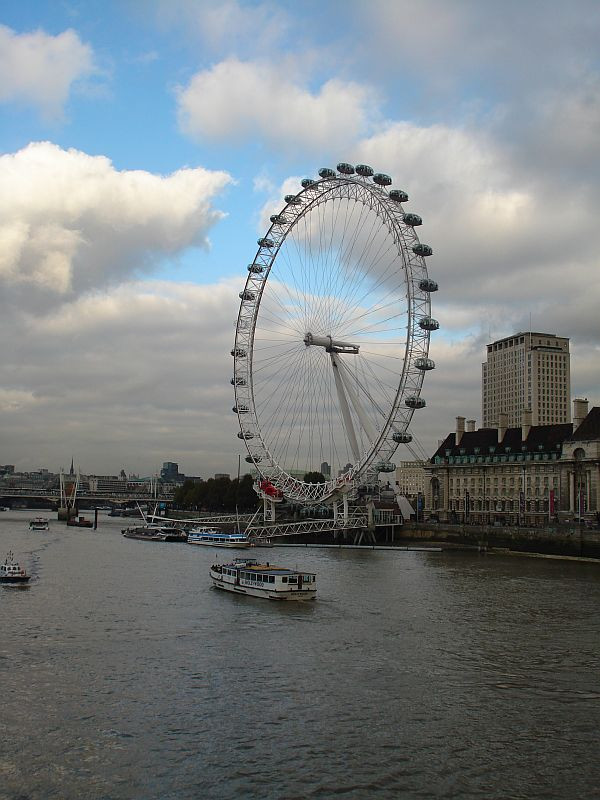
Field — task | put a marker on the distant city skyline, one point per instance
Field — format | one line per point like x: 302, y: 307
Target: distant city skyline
x: 145, y: 145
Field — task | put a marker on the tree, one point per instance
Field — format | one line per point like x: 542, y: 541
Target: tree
x: 314, y: 477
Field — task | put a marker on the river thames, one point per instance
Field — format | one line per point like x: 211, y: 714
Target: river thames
x: 413, y: 675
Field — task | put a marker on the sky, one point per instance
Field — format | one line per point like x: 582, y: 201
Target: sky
x: 144, y: 145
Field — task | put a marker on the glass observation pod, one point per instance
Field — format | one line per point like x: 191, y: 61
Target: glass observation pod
x: 415, y: 402
x: 429, y: 324
x: 364, y: 170
x: 325, y: 172
x: 402, y: 438
x: 427, y: 285
x: 422, y: 249
x: 398, y: 196
x: 381, y: 179
x: 245, y: 435
x: 345, y: 169
x: 424, y: 364
x: 238, y: 381
x: 293, y: 200
x: 246, y: 295
x: 253, y: 459
x: 306, y: 182
x: 255, y: 269
x: 238, y: 352
x: 413, y: 220
x: 385, y: 466
x: 265, y: 243
x: 240, y: 409
x: 278, y: 219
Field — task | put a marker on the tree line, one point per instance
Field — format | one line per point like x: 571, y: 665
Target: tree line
x: 217, y: 494
x: 224, y: 494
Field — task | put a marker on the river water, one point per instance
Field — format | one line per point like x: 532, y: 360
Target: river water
x: 413, y: 675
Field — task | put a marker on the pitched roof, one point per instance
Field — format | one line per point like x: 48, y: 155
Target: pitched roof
x: 589, y: 428
x: 541, y: 438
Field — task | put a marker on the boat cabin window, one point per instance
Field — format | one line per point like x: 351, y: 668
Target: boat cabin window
x: 284, y: 579
x: 271, y: 578
x: 293, y: 579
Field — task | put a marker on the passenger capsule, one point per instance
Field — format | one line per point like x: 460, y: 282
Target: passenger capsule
x: 415, y: 402
x: 239, y: 381
x: 325, y: 172
x: 253, y: 459
x: 429, y: 324
x: 293, y: 200
x: 385, y: 466
x: 255, y: 269
x: 306, y: 182
x: 364, y: 170
x: 402, y: 438
x: 412, y: 219
x: 424, y: 364
x: 266, y: 243
x: 345, y: 169
x: 238, y: 352
x: 240, y: 409
x: 278, y: 219
x: 381, y: 179
x: 427, y: 285
x: 421, y: 249
x: 246, y: 295
x: 398, y: 196
x: 245, y: 435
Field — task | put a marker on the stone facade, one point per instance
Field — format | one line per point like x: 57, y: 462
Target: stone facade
x: 530, y: 475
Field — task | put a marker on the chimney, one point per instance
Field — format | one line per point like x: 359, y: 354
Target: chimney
x: 502, y: 425
x: 460, y: 429
x: 580, y: 412
x: 525, y: 423
x: 470, y: 425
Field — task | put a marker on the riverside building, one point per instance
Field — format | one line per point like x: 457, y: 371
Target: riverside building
x: 526, y: 371
x: 527, y: 474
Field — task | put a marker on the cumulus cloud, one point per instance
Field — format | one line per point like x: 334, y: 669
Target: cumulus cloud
x: 235, y: 100
x: 38, y: 69
x: 70, y: 222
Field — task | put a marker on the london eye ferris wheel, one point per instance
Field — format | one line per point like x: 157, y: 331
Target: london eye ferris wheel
x: 332, y: 336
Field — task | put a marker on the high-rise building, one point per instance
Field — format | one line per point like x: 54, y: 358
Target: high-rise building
x: 527, y: 371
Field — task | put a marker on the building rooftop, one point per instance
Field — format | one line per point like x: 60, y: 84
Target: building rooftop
x: 541, y: 438
x: 589, y: 428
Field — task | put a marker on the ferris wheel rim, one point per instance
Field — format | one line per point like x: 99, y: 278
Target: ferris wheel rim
x: 296, y: 208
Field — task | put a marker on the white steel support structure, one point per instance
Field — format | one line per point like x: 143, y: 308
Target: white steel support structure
x: 340, y: 261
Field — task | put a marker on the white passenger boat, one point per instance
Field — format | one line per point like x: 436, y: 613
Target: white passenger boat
x: 39, y: 524
x: 12, y: 572
x: 215, y: 538
x: 249, y: 576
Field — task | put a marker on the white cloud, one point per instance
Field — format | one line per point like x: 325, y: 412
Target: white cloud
x: 236, y: 100
x: 39, y: 69
x: 70, y: 222
x: 130, y: 376
x: 228, y: 25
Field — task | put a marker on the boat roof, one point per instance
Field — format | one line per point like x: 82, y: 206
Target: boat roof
x: 271, y: 569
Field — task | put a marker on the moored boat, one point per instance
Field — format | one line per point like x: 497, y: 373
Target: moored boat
x: 251, y: 577
x: 155, y: 533
x: 80, y: 522
x: 12, y: 572
x: 215, y: 538
x: 39, y: 524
